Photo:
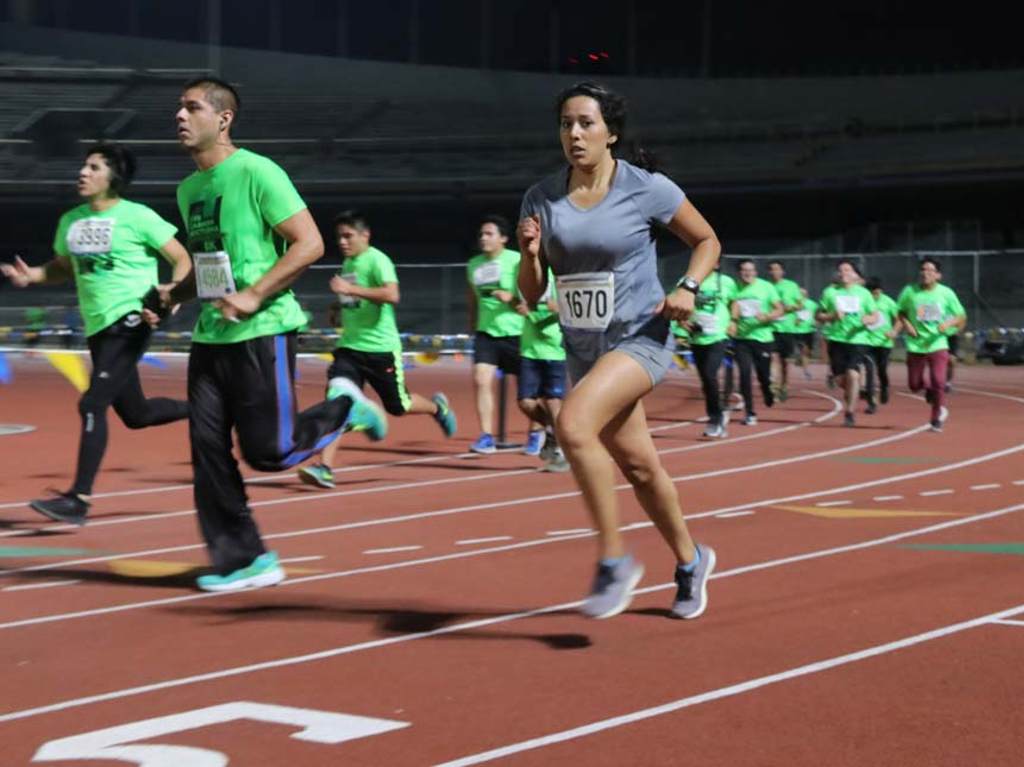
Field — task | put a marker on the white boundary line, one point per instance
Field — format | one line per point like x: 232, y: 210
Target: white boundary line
x: 732, y: 690
x: 469, y: 625
x: 836, y: 407
x: 475, y: 507
x: 510, y: 547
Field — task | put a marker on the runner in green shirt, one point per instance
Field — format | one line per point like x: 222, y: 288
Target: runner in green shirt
x: 542, y: 376
x: 848, y: 308
x: 930, y: 312
x: 495, y: 317
x: 369, y: 350
x: 883, y: 330
x: 755, y: 306
x: 804, y: 327
x: 251, y: 236
x: 791, y: 297
x: 709, y: 326
x: 110, y: 247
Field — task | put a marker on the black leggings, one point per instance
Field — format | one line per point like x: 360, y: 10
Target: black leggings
x: 115, y: 353
x: 709, y: 359
x: 248, y: 386
x: 759, y: 355
x: 876, y: 359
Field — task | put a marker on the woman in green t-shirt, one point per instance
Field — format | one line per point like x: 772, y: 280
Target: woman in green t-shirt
x: 109, y: 246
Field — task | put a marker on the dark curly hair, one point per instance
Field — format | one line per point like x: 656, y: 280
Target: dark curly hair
x: 120, y: 161
x: 613, y: 111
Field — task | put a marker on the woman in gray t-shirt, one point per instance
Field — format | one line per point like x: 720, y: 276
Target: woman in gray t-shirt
x: 592, y: 224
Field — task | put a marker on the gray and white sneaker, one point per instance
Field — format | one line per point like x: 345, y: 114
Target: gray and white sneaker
x: 558, y: 463
x: 717, y: 430
x: 750, y: 420
x: 613, y: 588
x: 549, y: 448
x: 692, y: 588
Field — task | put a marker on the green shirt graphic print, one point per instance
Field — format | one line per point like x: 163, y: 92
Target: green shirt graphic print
x: 230, y: 211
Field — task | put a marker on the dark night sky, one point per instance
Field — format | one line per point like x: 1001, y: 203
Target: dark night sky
x: 792, y: 37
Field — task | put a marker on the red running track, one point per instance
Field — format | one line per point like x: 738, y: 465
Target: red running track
x: 866, y: 609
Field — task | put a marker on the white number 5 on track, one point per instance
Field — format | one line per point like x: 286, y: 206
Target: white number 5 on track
x: 115, y: 742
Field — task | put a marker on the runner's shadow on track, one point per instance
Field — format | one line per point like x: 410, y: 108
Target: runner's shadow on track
x: 395, y: 450
x: 389, y: 621
x: 182, y: 580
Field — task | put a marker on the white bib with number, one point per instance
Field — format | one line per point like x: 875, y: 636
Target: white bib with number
x: 848, y: 304
x: 804, y: 315
x: 879, y: 324
x: 487, y: 274
x: 213, y: 275
x: 708, y: 323
x: 750, y: 307
x: 586, y: 301
x: 90, y: 235
x: 348, y: 301
x: 929, y: 313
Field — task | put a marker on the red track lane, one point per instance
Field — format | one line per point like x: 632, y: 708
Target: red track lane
x: 436, y: 637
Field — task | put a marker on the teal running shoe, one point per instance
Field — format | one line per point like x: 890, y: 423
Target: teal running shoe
x: 265, y: 570
x: 365, y: 415
x: 318, y: 475
x: 444, y: 416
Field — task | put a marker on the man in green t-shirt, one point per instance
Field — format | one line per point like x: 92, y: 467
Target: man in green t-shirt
x: 785, y: 326
x: 110, y: 247
x: 250, y: 236
x: 369, y: 350
x: 542, y: 376
x: 848, y: 308
x: 754, y: 307
x: 709, y: 327
x: 880, y: 342
x: 496, y: 319
x: 930, y: 313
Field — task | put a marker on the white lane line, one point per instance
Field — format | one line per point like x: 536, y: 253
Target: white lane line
x: 471, y: 625
x: 558, y: 496
x: 731, y: 514
x: 293, y: 560
x: 474, y: 541
x: 393, y: 550
x: 571, y: 531
x: 731, y: 690
x: 48, y: 584
x: 945, y: 491
x: 444, y: 512
x: 260, y: 478
x: 1008, y: 622
x: 1018, y: 482
x: 988, y: 486
x: 306, y: 497
x: 833, y: 503
x: 513, y: 546
x: 887, y: 498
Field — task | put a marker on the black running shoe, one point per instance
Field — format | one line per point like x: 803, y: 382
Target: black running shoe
x: 885, y: 395
x: 65, y: 507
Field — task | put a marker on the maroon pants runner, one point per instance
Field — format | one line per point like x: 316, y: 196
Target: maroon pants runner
x: 936, y: 363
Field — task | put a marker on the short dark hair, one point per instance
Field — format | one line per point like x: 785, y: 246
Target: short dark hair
x: 776, y: 261
x: 120, y: 161
x: 220, y: 93
x: 852, y: 263
x: 499, y: 221
x: 742, y: 261
x: 873, y: 283
x: 354, y: 218
x: 930, y: 260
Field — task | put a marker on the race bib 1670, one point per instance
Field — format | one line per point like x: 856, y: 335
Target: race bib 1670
x: 586, y: 301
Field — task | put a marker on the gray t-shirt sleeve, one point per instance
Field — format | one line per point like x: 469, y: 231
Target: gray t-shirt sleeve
x: 660, y: 199
x: 530, y: 206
